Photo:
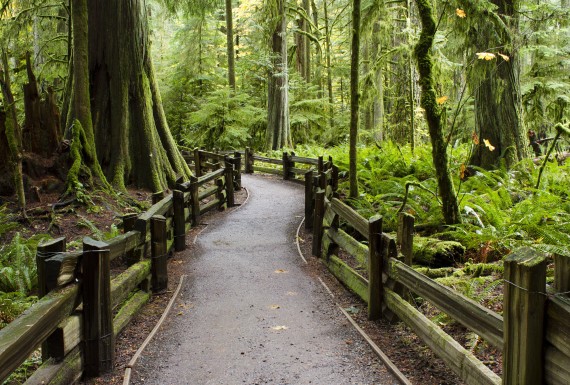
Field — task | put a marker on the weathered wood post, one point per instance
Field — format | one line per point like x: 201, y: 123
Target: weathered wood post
x: 158, y: 249
x: 97, y: 312
x: 248, y: 161
x: 309, y: 200
x: 320, y: 165
x: 129, y: 221
x: 237, y: 170
x: 375, y: 263
x: 561, y: 273
x: 195, y: 202
x: 318, y: 223
x: 157, y: 197
x: 229, y: 173
x: 47, y: 282
x: 523, y: 315
x: 405, y: 237
x: 179, y: 222
x: 286, y: 167
x: 197, y: 163
x: 291, y: 165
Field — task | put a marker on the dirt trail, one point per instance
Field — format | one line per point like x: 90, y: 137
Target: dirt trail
x: 251, y: 313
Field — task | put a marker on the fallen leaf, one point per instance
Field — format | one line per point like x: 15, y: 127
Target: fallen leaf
x: 279, y: 328
x: 352, y: 310
x: 462, y: 169
x: 280, y: 271
x: 489, y: 145
x: 460, y: 13
x: 274, y: 307
x: 348, y: 342
x: 485, y: 56
x: 291, y: 293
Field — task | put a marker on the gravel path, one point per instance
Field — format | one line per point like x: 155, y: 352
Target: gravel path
x: 251, y: 313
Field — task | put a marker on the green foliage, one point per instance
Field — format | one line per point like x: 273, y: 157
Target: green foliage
x: 7, y: 221
x: 12, y: 305
x: 18, y: 264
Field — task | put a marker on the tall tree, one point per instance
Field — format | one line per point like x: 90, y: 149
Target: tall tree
x: 354, y: 98
x: 450, y: 207
x: 230, y: 46
x: 133, y: 141
x: 497, y: 90
x: 278, y: 126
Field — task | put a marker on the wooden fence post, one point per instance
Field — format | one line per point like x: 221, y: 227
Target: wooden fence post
x: 197, y: 163
x: 158, y: 250
x: 375, y: 262
x: 237, y: 170
x: 523, y: 315
x: 129, y: 221
x: 561, y: 273
x: 179, y: 220
x: 405, y: 237
x: 318, y: 223
x: 229, y: 173
x: 286, y: 167
x: 334, y: 182
x: 320, y: 165
x: 97, y: 312
x: 47, y: 282
x: 248, y: 161
x: 309, y: 200
x: 195, y: 202
x: 157, y: 197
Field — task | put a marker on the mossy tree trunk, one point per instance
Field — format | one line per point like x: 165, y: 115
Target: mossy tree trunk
x: 498, y: 117
x: 329, y: 66
x: 230, y: 45
x: 354, y: 98
x: 278, y: 128
x: 450, y: 207
x: 134, y: 144
x: 13, y: 133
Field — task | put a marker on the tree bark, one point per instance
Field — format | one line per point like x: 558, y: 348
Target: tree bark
x: 133, y: 141
x: 378, y: 104
x: 450, y: 207
x: 230, y: 45
x: 497, y: 95
x: 278, y: 130
x: 329, y: 67
x: 354, y: 98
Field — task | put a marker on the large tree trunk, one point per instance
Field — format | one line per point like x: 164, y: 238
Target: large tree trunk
x: 498, y: 97
x: 450, y: 207
x: 134, y: 143
x: 230, y: 45
x: 354, y: 98
x: 329, y: 66
x: 278, y: 130
x: 378, y: 104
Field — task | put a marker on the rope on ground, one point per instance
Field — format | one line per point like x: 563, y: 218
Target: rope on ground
x: 132, y: 362
x: 297, y: 241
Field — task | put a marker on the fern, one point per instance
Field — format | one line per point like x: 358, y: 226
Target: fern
x: 18, y: 264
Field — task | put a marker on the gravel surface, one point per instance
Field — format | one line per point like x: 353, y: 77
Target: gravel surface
x: 251, y: 311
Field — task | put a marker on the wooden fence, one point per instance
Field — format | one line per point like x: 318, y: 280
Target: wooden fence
x: 82, y: 308
x: 533, y: 333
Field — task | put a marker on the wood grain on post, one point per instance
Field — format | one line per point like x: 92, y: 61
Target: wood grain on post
x: 129, y: 221
x: 405, y: 236
x: 197, y: 163
x: 320, y: 165
x: 248, y: 161
x: 46, y: 250
x: 309, y: 200
x: 157, y: 197
x: 286, y: 169
x: 158, y: 253
x: 561, y: 273
x: 97, y: 312
x: 229, y: 176
x: 318, y: 223
x: 291, y: 165
x: 523, y: 315
x: 237, y: 170
x: 194, y: 200
x: 375, y: 263
x: 179, y: 222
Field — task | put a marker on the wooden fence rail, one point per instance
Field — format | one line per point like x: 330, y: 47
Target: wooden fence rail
x: 79, y: 340
x: 534, y: 333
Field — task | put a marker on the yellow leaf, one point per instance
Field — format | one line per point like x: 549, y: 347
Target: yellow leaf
x: 485, y: 56
x: 279, y: 328
x: 505, y: 57
x: 462, y: 171
x: 280, y: 271
x: 489, y: 145
x: 460, y: 13
x: 274, y: 307
x: 442, y: 99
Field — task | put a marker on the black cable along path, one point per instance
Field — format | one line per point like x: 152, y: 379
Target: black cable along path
x: 250, y: 313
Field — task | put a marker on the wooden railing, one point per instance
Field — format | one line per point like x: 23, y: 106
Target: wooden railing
x: 533, y: 333
x: 73, y: 321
